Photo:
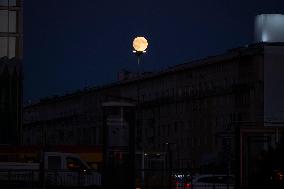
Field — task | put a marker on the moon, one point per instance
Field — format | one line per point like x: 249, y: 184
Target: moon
x: 140, y: 44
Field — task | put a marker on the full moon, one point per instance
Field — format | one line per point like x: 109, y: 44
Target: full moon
x: 140, y: 44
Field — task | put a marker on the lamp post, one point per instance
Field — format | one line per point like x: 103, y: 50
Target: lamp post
x: 140, y: 45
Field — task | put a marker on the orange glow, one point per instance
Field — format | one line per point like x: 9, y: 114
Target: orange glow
x: 140, y: 44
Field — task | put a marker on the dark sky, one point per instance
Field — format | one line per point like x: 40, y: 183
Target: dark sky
x: 72, y: 44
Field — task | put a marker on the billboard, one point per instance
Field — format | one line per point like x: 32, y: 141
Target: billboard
x: 269, y: 28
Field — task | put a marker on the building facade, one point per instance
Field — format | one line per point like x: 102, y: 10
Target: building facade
x: 10, y: 71
x: 190, y: 111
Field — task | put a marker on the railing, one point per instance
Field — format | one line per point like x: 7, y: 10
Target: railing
x: 35, y: 179
x: 182, y: 179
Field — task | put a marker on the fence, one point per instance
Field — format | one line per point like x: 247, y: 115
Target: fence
x: 35, y: 179
x: 182, y: 179
x: 145, y: 179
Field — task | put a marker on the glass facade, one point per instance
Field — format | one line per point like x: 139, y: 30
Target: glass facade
x: 8, y: 2
x: 10, y: 30
x: 7, y: 47
x: 8, y: 21
x: 10, y: 71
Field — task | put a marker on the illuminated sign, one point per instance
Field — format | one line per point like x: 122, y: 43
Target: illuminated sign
x: 269, y: 28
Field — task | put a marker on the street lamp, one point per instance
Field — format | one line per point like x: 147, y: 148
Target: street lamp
x: 140, y: 45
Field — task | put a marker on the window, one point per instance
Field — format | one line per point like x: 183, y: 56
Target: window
x: 207, y: 140
x: 199, y: 141
x: 192, y: 142
x: 61, y: 135
x: 4, y: 46
x: 74, y: 164
x: 12, y: 47
x: 190, y: 124
x: 8, y: 2
x: 54, y: 162
x: 94, y: 135
x: 167, y: 92
x: 205, y: 180
x: 175, y: 127
x: 143, y: 98
x: 156, y: 95
x: 187, y: 91
x: 179, y: 91
x: 8, y: 21
x: 217, y: 179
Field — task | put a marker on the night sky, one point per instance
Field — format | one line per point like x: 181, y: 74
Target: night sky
x: 72, y: 44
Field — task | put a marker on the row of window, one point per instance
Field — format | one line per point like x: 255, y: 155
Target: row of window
x: 47, y: 114
x: 185, y: 142
x: 189, y: 90
x: 62, y: 136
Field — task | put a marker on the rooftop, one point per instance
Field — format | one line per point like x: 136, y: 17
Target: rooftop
x: 252, y: 49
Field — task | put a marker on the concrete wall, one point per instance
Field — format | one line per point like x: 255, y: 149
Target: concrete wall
x: 273, y: 84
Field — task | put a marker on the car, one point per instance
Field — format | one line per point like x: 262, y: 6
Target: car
x: 214, y: 181
x: 181, y: 180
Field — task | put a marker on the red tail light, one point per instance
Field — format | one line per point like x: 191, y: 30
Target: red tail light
x: 188, y: 185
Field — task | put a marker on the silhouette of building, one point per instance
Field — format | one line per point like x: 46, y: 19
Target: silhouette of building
x: 194, y: 107
x: 10, y: 71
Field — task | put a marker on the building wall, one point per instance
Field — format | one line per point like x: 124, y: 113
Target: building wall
x: 196, y: 109
x: 10, y: 71
x: 274, y: 79
x: 191, y: 110
x: 68, y: 121
x: 11, y: 28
